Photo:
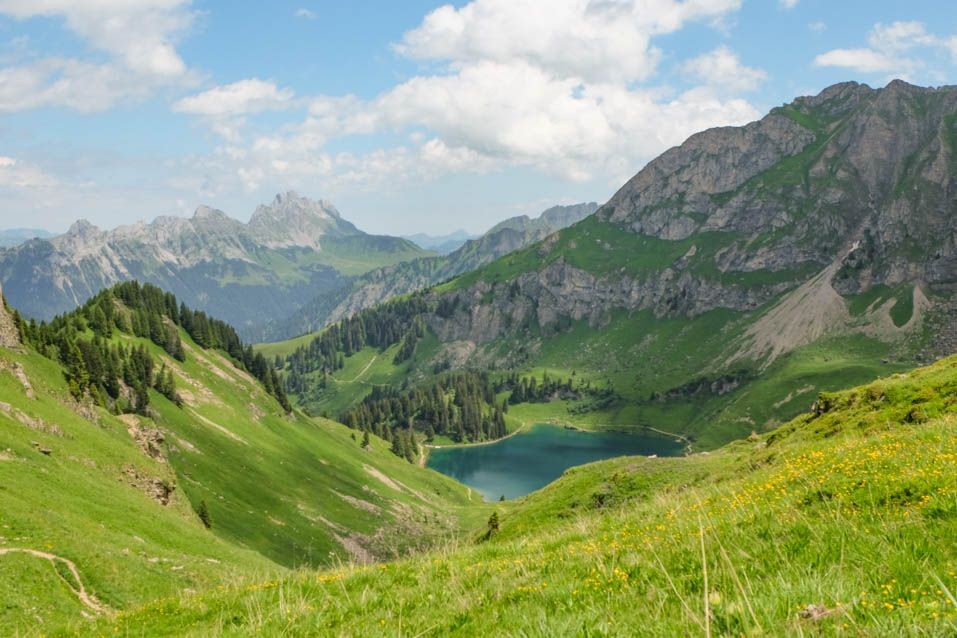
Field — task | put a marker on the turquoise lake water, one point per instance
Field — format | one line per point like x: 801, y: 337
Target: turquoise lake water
x: 532, y: 459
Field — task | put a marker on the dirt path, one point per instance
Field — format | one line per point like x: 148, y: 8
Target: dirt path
x: 365, y: 369
x: 88, y: 599
x: 358, y: 376
x: 422, y: 456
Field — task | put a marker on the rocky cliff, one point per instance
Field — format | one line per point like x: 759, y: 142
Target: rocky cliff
x: 851, y: 191
x: 9, y: 335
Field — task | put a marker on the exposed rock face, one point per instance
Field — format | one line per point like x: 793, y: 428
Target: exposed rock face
x: 295, y: 221
x: 383, y: 284
x: 851, y: 167
x: 9, y: 335
x: 242, y: 273
x: 561, y: 290
x: 840, y: 192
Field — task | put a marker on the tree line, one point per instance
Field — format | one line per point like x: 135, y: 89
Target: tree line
x: 119, y: 377
x: 379, y: 327
x: 460, y: 405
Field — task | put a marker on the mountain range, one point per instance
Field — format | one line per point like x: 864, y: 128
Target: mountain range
x: 290, y: 251
x: 442, y: 244
x: 761, y: 295
x: 732, y: 278
x: 385, y: 283
x: 16, y: 236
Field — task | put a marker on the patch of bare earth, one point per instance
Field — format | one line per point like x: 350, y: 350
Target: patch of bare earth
x: 802, y: 317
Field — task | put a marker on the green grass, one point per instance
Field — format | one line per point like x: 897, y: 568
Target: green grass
x: 840, y: 523
x: 902, y: 296
x: 284, y: 348
x: 77, y: 503
x: 358, y: 255
x: 282, y: 491
x: 363, y: 371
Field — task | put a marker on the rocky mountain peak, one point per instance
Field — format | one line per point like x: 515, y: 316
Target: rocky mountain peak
x: 82, y: 228
x: 207, y: 212
x: 294, y: 220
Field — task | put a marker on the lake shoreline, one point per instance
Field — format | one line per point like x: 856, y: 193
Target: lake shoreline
x: 521, y: 465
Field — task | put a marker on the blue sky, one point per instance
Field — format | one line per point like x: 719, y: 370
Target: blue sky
x: 410, y: 116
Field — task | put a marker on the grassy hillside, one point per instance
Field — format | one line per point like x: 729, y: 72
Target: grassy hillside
x: 116, y: 497
x: 841, y: 522
x: 659, y: 368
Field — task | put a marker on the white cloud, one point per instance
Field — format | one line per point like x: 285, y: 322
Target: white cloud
x: 891, y: 50
x: 139, y: 35
x: 863, y: 60
x: 239, y: 98
x: 817, y: 26
x: 305, y: 14
x: 789, y: 4
x: 594, y: 41
x: 16, y: 174
x: 65, y: 82
x: 722, y: 68
x: 563, y: 87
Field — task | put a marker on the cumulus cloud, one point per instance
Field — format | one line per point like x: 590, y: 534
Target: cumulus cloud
x: 722, y: 68
x: 139, y: 36
x: 863, y: 60
x: 564, y: 89
x: 890, y: 50
x: 16, y: 174
x: 305, y: 14
x: 594, y: 41
x: 789, y: 4
x: 238, y: 98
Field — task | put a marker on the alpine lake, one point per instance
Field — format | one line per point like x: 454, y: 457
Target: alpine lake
x: 529, y: 460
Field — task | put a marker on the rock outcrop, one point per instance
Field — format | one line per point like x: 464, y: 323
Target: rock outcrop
x: 9, y: 335
x: 825, y: 198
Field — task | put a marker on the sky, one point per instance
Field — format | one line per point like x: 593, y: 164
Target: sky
x: 409, y: 116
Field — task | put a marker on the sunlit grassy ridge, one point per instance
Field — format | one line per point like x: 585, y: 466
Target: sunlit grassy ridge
x: 281, y: 491
x: 841, y: 522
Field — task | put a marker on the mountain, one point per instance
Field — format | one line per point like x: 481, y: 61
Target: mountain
x: 16, y: 236
x: 290, y: 251
x: 385, y: 283
x: 442, y: 244
x: 731, y: 279
x: 141, y: 456
x: 843, y: 521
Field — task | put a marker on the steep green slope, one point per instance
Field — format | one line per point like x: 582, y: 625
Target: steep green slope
x: 122, y: 498
x: 841, y: 522
x: 76, y: 485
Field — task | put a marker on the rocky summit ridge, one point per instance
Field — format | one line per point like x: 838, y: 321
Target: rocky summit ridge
x: 850, y: 191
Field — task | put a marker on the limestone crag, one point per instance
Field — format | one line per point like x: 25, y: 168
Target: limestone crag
x: 9, y: 335
x: 824, y: 198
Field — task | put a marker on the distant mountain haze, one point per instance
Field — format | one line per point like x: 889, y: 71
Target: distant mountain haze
x: 16, y: 236
x: 290, y: 251
x: 442, y: 244
x: 385, y: 283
